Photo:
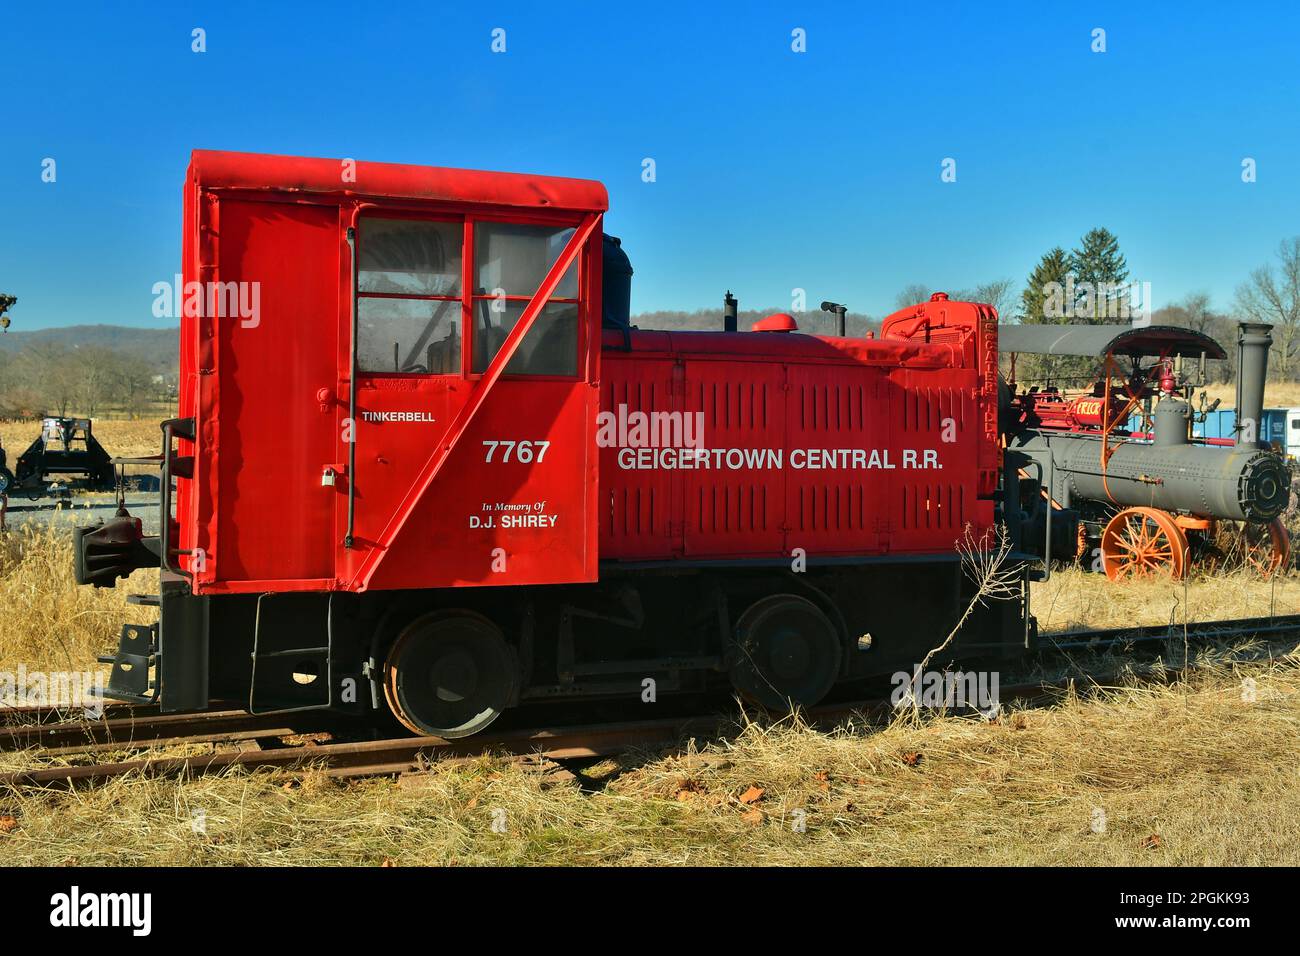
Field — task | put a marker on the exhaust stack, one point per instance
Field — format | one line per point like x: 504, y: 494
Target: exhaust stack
x: 1253, y: 343
x: 729, y: 306
x: 837, y: 310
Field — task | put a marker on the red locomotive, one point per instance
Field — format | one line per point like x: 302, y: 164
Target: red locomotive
x: 424, y: 463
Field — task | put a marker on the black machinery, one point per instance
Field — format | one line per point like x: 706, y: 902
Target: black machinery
x: 65, y: 453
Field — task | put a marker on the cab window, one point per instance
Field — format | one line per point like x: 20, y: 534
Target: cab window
x: 409, y: 298
x: 510, y: 262
x: 413, y: 312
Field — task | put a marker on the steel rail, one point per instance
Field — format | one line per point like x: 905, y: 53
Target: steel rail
x: 142, y: 729
x: 408, y: 754
x: 381, y: 756
x: 1194, y: 630
x: 22, y: 715
x: 414, y: 754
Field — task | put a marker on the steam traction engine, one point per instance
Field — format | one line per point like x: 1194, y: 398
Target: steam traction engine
x: 439, y: 473
x: 1137, y: 502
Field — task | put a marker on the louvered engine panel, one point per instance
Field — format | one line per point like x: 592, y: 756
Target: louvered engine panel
x: 810, y: 452
x: 637, y: 505
x: 733, y: 504
x: 832, y: 508
x: 934, y: 505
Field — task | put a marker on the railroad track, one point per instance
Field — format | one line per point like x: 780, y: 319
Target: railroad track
x: 22, y: 714
x: 152, y: 728
x: 1090, y: 639
x: 410, y: 754
x: 264, y: 740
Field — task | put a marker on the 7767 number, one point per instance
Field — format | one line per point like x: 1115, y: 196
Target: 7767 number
x: 525, y: 452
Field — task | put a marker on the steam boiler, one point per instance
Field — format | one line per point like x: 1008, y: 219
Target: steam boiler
x: 1135, y: 503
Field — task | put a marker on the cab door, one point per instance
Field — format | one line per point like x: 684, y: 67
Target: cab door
x: 469, y: 470
x: 411, y: 363
x: 270, y: 311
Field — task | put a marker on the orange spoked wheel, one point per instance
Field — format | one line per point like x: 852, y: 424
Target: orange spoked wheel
x: 1264, y: 548
x: 1260, y: 549
x: 1143, y: 543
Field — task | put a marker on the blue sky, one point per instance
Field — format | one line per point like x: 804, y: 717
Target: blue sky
x: 775, y: 169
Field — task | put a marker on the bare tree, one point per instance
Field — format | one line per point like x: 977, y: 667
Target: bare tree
x: 1197, y: 314
x: 1000, y: 293
x: 88, y: 380
x: 51, y: 374
x: 97, y: 377
x: 1273, y: 296
x: 135, y: 386
x: 988, y: 564
x: 912, y: 294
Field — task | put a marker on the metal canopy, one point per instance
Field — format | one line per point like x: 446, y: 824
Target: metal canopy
x: 1100, y: 340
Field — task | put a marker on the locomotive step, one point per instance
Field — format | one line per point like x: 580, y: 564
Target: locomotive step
x: 150, y: 659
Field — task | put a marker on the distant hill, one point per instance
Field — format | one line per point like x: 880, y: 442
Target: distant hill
x: 160, y: 348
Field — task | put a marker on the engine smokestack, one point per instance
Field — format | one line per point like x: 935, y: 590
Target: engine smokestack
x: 729, y: 306
x: 839, y: 311
x: 1253, y: 343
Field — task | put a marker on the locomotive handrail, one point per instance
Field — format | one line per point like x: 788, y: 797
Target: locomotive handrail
x: 441, y: 453
x: 1046, y: 482
x: 352, y: 373
x: 165, y: 500
x: 169, y: 430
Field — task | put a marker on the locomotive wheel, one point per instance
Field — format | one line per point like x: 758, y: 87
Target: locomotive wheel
x: 1274, y: 552
x: 450, y: 674
x: 1263, y: 549
x: 787, y: 653
x: 1143, y: 542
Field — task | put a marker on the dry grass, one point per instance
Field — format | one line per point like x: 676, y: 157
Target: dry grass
x: 1213, y: 776
x: 1276, y: 394
x: 120, y: 438
x: 1184, y: 775
x: 47, y: 621
x: 1074, y: 598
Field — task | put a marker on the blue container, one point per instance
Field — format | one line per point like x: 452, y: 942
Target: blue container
x: 1222, y: 423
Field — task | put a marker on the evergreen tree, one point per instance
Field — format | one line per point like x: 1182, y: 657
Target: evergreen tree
x: 1082, y: 287
x: 1100, y: 276
x: 1043, y: 296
